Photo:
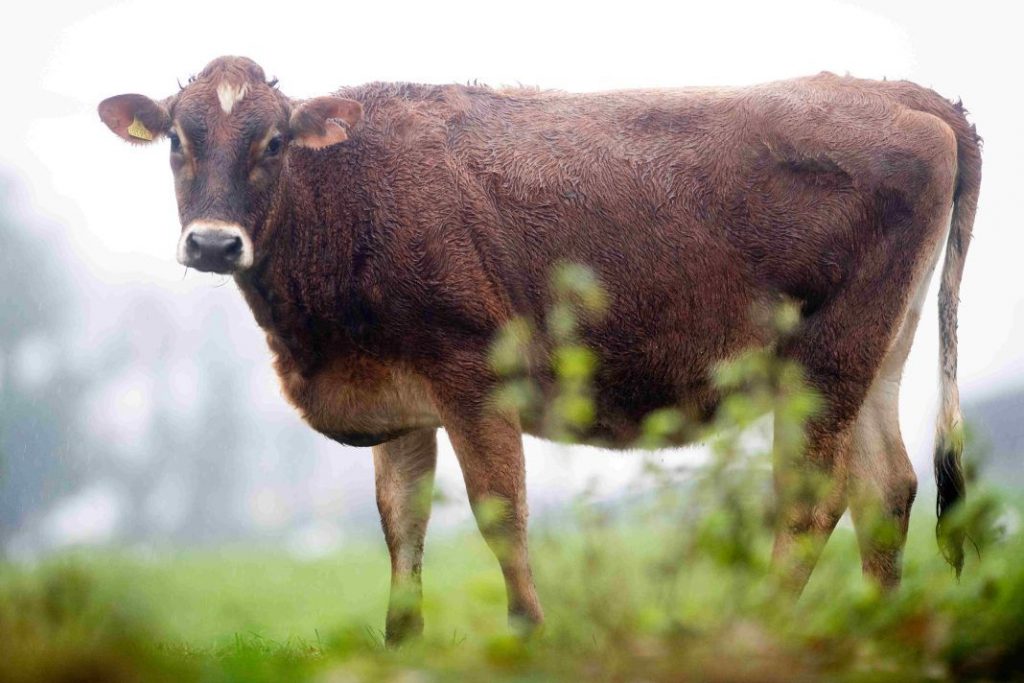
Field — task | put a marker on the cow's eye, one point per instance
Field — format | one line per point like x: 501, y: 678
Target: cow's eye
x: 175, y: 142
x: 274, y: 146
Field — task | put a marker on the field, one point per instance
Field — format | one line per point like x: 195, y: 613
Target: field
x: 628, y: 596
x: 670, y: 582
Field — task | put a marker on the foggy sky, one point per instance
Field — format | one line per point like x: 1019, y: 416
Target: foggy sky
x: 118, y: 205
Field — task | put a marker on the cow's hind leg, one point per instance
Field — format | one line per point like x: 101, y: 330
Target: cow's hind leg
x: 852, y: 352
x: 810, y: 496
x: 840, y: 348
x: 882, y: 480
x: 404, y: 472
x: 882, y: 484
x: 854, y: 453
x: 852, y: 348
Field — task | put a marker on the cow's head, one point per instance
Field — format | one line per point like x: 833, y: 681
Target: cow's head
x: 230, y: 133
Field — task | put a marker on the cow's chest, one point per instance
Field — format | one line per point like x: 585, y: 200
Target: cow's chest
x: 359, y: 402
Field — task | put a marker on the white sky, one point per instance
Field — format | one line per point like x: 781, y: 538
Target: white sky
x: 117, y: 202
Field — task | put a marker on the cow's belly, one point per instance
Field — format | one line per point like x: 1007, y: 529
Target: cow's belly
x: 360, y: 403
x: 619, y: 424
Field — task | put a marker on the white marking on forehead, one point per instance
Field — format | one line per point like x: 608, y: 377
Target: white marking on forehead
x: 230, y: 94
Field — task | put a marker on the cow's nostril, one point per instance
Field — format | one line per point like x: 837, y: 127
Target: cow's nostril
x: 233, y: 248
x: 192, y: 246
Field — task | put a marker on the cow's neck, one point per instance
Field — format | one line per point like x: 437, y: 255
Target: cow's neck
x: 305, y: 290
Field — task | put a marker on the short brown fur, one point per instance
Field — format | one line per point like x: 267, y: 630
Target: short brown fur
x: 384, y: 266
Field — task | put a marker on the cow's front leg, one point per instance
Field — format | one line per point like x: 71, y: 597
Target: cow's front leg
x: 405, y: 479
x: 490, y: 451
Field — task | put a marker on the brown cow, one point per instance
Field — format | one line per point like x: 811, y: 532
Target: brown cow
x: 383, y: 235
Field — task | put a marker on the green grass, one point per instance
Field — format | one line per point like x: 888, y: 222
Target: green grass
x: 630, y: 597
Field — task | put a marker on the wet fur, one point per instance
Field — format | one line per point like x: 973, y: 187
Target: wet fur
x: 385, y: 265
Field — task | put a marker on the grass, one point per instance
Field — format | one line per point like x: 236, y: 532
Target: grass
x: 628, y: 597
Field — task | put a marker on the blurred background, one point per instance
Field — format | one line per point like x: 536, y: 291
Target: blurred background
x: 137, y: 402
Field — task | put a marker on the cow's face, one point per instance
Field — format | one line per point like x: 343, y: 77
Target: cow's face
x: 230, y: 133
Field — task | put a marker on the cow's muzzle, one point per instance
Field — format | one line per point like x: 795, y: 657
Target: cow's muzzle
x: 215, y: 247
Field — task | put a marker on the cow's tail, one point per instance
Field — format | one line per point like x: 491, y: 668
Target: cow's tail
x: 949, y: 438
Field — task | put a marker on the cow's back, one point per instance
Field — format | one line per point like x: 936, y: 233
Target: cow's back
x: 697, y: 208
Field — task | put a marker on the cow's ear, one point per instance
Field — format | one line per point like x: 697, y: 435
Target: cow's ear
x: 136, y: 118
x: 315, y: 123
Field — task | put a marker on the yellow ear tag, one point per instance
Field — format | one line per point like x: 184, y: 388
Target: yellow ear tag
x: 139, y: 130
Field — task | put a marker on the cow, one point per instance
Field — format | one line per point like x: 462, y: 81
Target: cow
x: 384, y: 234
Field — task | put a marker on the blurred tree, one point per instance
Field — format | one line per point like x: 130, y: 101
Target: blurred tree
x: 197, y: 442
x: 180, y: 466
x: 215, y: 450
x: 38, y: 392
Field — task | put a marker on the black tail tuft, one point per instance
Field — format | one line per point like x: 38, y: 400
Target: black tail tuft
x: 949, y: 477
